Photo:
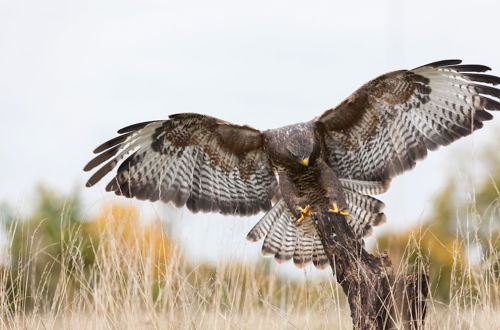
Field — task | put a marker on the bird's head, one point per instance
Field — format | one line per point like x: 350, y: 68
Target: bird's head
x: 297, y: 144
x: 303, y: 149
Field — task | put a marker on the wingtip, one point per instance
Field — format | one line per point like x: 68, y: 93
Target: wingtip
x: 87, y: 167
x: 134, y: 127
x: 441, y: 63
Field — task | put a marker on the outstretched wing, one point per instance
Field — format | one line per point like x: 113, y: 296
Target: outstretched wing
x: 383, y: 128
x: 194, y: 160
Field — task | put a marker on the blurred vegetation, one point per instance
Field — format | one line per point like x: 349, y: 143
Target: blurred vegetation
x: 39, y: 244
x: 459, y: 243
x: 59, y: 255
x: 56, y: 241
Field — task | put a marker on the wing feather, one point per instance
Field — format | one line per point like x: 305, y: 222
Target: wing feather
x: 194, y: 160
x: 391, y: 122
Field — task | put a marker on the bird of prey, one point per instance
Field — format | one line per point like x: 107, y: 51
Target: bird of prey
x: 334, y: 162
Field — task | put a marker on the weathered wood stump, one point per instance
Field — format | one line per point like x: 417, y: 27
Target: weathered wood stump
x: 377, y: 299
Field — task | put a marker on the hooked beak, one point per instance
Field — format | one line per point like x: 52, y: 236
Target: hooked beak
x: 305, y: 161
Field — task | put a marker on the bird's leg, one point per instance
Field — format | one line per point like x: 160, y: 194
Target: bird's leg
x: 304, y: 213
x: 333, y: 188
x: 292, y: 198
x: 335, y: 209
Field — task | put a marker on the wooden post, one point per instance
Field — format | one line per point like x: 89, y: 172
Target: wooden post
x: 377, y: 299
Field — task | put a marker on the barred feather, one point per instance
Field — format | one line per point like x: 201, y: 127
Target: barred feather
x: 193, y: 160
x: 365, y: 187
x: 364, y: 213
x: 391, y: 122
x: 284, y: 240
x: 380, y: 131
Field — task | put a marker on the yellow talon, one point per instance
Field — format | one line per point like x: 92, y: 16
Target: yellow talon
x: 335, y: 209
x: 304, y: 212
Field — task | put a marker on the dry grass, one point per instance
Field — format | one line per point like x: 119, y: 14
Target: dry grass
x: 126, y: 288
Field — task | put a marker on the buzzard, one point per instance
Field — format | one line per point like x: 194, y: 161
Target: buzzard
x: 334, y: 162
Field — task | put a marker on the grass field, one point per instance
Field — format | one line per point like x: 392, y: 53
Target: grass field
x: 135, y: 282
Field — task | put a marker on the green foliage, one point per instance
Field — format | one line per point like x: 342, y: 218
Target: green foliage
x: 50, y: 243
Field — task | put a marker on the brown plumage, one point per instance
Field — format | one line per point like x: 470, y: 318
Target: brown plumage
x: 344, y: 156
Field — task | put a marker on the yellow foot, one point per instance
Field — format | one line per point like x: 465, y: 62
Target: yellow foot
x: 335, y: 209
x: 304, y: 212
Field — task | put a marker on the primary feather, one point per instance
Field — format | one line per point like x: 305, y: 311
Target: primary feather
x: 193, y: 160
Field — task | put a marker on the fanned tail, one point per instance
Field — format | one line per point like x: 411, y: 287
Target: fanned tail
x: 284, y: 240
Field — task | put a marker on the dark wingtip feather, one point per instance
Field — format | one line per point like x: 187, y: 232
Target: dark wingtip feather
x: 484, y: 78
x: 441, y: 63
x: 445, y: 63
x: 182, y: 115
x: 487, y: 90
x: 469, y: 68
x: 112, y: 185
x: 108, y: 167
x: 96, y: 161
x: 111, y: 143
x: 482, y: 115
x: 135, y: 127
x: 490, y: 104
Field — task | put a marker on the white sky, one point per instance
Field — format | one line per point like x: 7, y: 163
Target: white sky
x: 73, y: 72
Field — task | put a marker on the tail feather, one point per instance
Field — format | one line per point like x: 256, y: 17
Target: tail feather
x: 319, y: 258
x: 303, y: 251
x: 284, y: 240
x: 274, y: 239
x: 288, y: 243
x: 267, y: 222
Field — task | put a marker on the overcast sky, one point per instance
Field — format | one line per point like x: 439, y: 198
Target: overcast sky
x: 73, y: 72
